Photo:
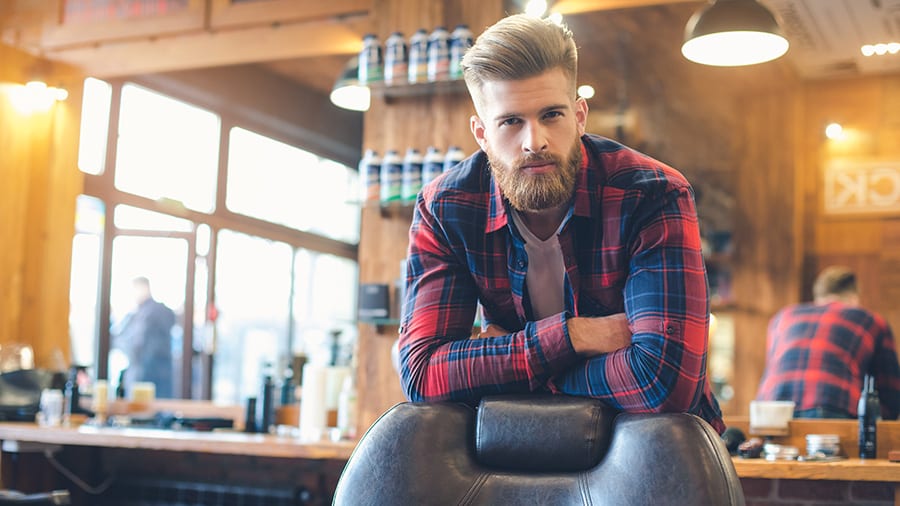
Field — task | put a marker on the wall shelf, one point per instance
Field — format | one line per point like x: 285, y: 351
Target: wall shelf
x: 395, y: 91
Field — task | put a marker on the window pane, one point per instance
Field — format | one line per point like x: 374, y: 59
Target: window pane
x: 163, y: 261
x: 277, y: 182
x: 167, y: 149
x: 324, y: 301
x: 94, y: 126
x: 252, y: 293
x: 135, y: 218
x: 84, y: 283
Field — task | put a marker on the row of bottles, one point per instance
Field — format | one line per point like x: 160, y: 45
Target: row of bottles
x: 425, y: 58
x: 394, y: 179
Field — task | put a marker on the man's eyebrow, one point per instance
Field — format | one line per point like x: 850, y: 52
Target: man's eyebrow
x: 542, y: 111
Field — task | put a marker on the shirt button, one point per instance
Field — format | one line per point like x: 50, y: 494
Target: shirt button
x: 670, y: 330
x: 521, y: 264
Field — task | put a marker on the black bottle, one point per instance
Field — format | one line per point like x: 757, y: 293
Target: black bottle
x: 266, y: 415
x: 869, y: 411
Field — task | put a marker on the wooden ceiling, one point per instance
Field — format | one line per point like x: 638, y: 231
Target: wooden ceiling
x: 309, y: 41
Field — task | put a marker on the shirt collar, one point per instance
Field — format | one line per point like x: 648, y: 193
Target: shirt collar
x: 498, y: 216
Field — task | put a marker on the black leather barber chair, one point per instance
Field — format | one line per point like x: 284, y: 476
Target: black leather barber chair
x: 537, y: 450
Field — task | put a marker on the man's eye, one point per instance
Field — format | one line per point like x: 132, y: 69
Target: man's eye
x: 510, y: 122
x: 553, y: 114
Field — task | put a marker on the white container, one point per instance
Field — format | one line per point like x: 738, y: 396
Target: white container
x: 51, y: 411
x: 770, y: 417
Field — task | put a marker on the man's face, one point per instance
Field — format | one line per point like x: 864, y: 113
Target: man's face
x: 530, y: 130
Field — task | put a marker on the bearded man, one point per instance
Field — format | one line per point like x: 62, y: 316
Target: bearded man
x: 582, y: 254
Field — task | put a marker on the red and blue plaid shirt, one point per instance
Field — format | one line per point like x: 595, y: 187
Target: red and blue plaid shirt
x: 817, y: 355
x: 630, y: 243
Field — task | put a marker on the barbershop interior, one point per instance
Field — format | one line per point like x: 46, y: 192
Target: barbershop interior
x: 174, y: 331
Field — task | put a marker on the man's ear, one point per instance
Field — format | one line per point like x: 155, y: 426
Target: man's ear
x: 581, y: 114
x: 477, y: 128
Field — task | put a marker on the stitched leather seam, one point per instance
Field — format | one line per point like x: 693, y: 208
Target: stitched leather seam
x: 473, y: 491
x: 732, y: 494
x: 585, y: 489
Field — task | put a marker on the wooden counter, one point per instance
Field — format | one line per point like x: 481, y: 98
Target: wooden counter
x: 842, y: 470
x: 233, y: 443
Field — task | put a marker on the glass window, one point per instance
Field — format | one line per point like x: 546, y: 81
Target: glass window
x: 253, y: 289
x: 135, y: 218
x: 94, y: 126
x: 84, y: 283
x: 137, y: 326
x: 324, y: 303
x: 167, y: 149
x: 277, y: 182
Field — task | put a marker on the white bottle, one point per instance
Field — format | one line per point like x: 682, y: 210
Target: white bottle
x: 346, y: 413
x: 395, y: 60
x: 460, y: 41
x: 391, y: 177
x: 412, y: 176
x: 418, y: 57
x: 454, y: 156
x: 439, y: 55
x: 433, y: 165
x: 370, y: 176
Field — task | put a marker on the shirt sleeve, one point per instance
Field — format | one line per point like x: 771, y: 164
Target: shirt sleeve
x: 438, y: 359
x: 666, y: 301
x: 887, y: 374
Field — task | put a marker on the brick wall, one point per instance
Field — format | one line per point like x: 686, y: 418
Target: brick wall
x: 762, y: 492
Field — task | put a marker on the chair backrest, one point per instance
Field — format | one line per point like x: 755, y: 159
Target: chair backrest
x: 548, y: 450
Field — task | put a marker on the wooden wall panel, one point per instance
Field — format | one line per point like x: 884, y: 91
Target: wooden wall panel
x: 38, y: 167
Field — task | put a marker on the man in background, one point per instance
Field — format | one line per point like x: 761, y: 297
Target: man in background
x: 818, y: 353
x: 146, y: 338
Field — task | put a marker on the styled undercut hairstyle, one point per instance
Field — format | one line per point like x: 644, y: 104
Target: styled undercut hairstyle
x: 835, y: 281
x: 518, y: 47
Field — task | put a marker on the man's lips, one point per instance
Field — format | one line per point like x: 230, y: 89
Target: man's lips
x: 542, y: 167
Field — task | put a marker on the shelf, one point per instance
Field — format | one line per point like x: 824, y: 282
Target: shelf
x: 393, y: 91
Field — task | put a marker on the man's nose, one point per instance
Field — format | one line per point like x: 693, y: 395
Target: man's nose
x: 534, y: 138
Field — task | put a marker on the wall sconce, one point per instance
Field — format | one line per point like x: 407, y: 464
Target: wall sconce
x: 347, y: 92
x: 731, y: 33
x: 35, y: 95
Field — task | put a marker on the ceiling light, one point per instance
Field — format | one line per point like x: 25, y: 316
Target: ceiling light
x: 730, y: 33
x: 834, y: 131
x: 347, y: 92
x: 536, y: 8
x: 586, y: 91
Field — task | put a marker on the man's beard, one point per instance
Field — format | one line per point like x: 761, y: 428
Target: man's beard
x: 536, y: 192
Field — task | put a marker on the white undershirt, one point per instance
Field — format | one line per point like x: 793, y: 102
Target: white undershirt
x: 546, y: 271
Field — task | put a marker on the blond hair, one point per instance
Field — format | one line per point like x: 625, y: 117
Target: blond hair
x: 837, y: 281
x: 518, y: 47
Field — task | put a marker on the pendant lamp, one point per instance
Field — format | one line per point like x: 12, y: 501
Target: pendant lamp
x: 731, y: 33
x: 347, y: 92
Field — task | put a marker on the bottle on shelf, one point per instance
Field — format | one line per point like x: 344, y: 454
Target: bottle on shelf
x: 346, y: 412
x: 370, y: 175
x: 869, y: 411
x: 454, y: 155
x: 439, y: 55
x: 412, y: 176
x: 395, y: 60
x: 460, y: 41
x: 266, y: 409
x: 432, y: 165
x: 370, y: 61
x: 417, y: 68
x: 391, y: 177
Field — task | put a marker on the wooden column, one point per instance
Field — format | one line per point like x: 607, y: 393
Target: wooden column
x: 39, y: 180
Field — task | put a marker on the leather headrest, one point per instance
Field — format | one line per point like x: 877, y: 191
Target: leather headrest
x: 542, y: 432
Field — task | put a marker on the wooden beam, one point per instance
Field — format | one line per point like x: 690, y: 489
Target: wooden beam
x: 210, y: 49
x: 565, y: 7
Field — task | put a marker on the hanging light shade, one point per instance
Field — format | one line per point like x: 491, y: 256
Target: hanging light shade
x: 348, y: 93
x: 731, y: 33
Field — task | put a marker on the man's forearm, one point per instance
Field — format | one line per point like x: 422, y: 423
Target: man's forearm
x: 592, y: 336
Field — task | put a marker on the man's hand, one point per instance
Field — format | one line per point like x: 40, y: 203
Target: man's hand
x: 592, y: 336
x: 492, y: 331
